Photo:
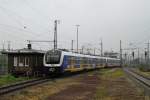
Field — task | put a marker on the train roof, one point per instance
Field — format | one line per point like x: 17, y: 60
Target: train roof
x: 84, y: 55
x: 24, y: 51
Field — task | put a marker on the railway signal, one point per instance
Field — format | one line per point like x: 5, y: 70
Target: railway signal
x: 145, y: 54
x: 120, y: 53
x: 133, y: 55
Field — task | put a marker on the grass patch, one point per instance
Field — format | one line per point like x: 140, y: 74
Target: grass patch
x: 116, y: 74
x: 100, y: 94
x: 113, y: 73
x: 144, y: 69
x: 143, y: 72
x: 8, y: 79
x: 107, y: 75
x: 43, y: 91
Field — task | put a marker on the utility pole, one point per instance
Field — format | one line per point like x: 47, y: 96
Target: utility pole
x: 72, y: 45
x: 133, y: 62
x: 148, y: 53
x: 101, y: 47
x: 56, y: 22
x: 94, y: 50
x: 138, y: 56
x: 125, y: 55
x: 77, y: 36
x: 9, y: 45
x: 128, y: 59
x: 120, y: 53
x: 82, y: 49
x: 3, y: 46
x: 55, y: 34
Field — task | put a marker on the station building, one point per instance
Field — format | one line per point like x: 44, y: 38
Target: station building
x: 26, y: 61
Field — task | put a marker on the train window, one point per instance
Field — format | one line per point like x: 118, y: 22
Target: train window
x: 69, y: 60
x: 86, y: 60
x: 73, y: 60
x: 53, y: 57
x: 93, y: 61
x: 110, y: 61
x: 82, y: 60
x: 77, y: 60
x: 103, y: 61
x: 100, y: 61
x: 90, y: 61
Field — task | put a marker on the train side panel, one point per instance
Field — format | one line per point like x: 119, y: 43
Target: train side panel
x: 72, y: 62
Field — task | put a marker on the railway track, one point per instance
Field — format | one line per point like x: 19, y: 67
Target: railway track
x: 134, y: 71
x: 140, y: 79
x: 21, y: 85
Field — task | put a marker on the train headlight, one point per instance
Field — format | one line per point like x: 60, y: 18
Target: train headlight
x: 51, y: 69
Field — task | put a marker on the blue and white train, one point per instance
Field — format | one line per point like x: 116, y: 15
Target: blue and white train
x: 58, y: 61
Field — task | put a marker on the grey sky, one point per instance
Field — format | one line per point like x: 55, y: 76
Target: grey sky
x: 111, y: 20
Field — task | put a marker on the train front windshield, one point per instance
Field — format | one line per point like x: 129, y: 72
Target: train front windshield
x: 53, y: 57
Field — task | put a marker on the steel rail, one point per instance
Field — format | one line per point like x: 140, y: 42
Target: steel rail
x: 21, y: 85
x: 139, y: 79
x: 148, y: 78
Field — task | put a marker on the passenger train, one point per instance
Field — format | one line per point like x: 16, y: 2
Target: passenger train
x: 58, y: 61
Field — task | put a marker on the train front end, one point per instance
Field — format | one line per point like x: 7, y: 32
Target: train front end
x: 52, y: 62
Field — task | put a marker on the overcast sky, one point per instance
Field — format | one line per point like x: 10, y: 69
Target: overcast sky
x: 111, y: 20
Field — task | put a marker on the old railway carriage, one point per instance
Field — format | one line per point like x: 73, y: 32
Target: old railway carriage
x: 25, y: 61
x: 57, y: 61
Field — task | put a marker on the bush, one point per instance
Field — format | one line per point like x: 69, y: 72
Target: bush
x: 8, y: 79
x: 144, y: 68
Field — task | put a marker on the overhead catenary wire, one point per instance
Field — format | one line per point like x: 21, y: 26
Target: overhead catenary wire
x: 16, y: 36
x: 9, y: 29
x: 36, y: 10
x: 16, y: 17
x: 11, y: 13
x: 19, y: 31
